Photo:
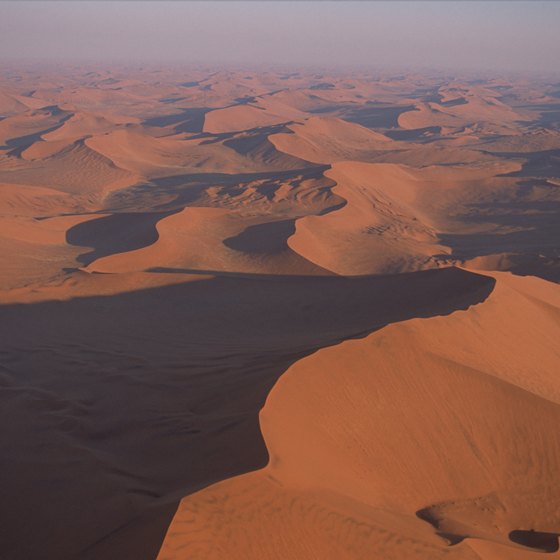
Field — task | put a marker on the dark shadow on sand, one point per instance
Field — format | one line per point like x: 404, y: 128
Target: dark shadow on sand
x: 115, y: 407
x: 188, y: 120
x: 267, y: 238
x: 526, y: 229
x: 543, y: 542
x: 113, y: 234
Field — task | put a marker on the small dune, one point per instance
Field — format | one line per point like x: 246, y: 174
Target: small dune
x: 327, y: 139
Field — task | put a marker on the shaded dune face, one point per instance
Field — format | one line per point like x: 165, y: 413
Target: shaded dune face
x: 117, y: 233
x: 263, y: 238
x: 124, y: 383
x: 241, y: 318
x: 546, y: 542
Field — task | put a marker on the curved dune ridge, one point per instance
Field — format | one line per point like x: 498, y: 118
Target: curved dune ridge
x: 195, y: 239
x: 328, y: 139
x: 248, y: 116
x: 474, y: 104
x: 122, y: 136
x: 189, y: 387
x: 399, y: 455
x: 379, y: 230
x: 138, y: 152
x: 34, y: 249
x: 33, y: 252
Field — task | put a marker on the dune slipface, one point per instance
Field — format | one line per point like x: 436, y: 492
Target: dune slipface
x: 278, y: 315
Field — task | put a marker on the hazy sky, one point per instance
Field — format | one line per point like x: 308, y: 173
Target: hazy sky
x: 508, y: 35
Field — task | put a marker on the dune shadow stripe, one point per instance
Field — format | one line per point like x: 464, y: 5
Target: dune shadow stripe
x: 117, y: 233
x: 267, y: 238
x: 545, y: 542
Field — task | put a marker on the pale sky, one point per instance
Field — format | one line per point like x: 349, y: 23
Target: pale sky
x: 483, y: 35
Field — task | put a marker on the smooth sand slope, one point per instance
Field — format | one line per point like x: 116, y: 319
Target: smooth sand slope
x: 429, y: 438
x: 325, y: 140
x: 379, y: 230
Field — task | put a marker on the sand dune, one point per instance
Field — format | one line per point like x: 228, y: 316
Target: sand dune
x: 325, y: 140
x: 379, y: 221
x: 81, y: 125
x: 10, y: 105
x: 248, y: 116
x: 36, y: 250
x: 25, y: 200
x: 149, y: 156
x: 471, y: 108
x: 21, y: 130
x: 400, y: 218
x: 190, y: 388
x: 140, y: 153
x: 400, y: 454
x: 74, y: 169
x: 211, y: 239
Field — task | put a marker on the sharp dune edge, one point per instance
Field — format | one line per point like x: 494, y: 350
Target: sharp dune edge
x: 387, y: 446
x: 270, y: 315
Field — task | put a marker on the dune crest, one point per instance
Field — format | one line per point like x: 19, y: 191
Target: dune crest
x: 380, y: 222
x: 400, y: 453
x: 328, y: 139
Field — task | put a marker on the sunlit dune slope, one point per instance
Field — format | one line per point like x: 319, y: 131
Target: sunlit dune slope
x: 181, y: 371
x: 83, y: 124
x: 471, y: 105
x: 180, y: 245
x: 36, y: 251
x: 10, y: 105
x: 21, y: 130
x: 74, y: 169
x: 139, y: 152
x: 325, y: 140
x: 213, y: 239
x: 438, y: 442
x: 379, y: 230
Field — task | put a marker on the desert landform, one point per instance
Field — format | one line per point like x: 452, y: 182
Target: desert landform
x: 278, y: 315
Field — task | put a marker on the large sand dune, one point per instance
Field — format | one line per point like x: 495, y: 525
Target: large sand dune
x: 403, y: 445
x: 188, y: 388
